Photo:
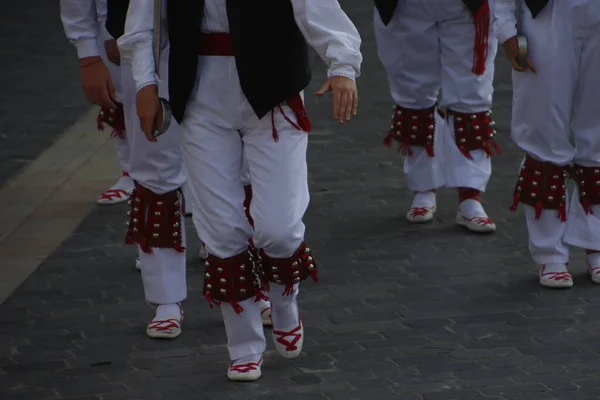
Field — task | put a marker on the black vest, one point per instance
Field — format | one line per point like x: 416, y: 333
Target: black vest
x: 116, y: 12
x: 386, y: 8
x: 270, y: 51
x: 536, y: 6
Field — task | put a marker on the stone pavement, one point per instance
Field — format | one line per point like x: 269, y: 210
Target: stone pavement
x: 401, y: 312
x: 39, y: 77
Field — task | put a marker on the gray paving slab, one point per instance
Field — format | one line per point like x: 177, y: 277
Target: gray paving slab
x: 401, y: 312
x: 41, y: 94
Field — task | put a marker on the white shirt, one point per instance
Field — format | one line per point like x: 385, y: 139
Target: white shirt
x: 323, y: 23
x: 505, y: 19
x: 83, y: 22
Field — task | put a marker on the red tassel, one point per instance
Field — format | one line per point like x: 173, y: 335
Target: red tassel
x: 466, y: 153
x: 274, y: 130
x: 538, y: 209
x: 297, y: 106
x: 496, y: 147
x: 387, y: 142
x: 99, y: 123
x: 585, y: 203
x: 211, y: 302
x: 562, y: 213
x: 481, y: 20
x: 264, y: 283
x: 429, y: 149
x: 236, y: 307
x: 289, y: 290
x: 261, y: 296
x: 179, y: 248
x: 313, y: 275
x: 515, y: 203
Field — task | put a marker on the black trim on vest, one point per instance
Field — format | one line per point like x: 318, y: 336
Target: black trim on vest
x: 116, y: 13
x: 270, y: 51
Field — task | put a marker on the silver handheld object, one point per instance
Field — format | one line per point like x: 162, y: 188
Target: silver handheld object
x: 167, y: 115
x: 521, y: 39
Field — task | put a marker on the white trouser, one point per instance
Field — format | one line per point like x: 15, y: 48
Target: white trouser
x: 121, y: 146
x: 564, y: 46
x: 426, y: 47
x: 158, y: 167
x: 219, y: 131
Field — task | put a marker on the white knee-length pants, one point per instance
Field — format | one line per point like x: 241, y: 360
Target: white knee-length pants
x: 158, y: 167
x: 219, y: 131
x: 563, y: 96
x: 426, y: 47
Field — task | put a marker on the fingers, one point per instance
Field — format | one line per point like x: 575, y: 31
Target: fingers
x: 337, y: 100
x: 354, y: 104
x: 148, y: 127
x: 516, y: 66
x: 347, y: 105
x: 530, y: 66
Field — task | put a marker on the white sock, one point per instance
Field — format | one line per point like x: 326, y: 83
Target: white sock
x: 423, y: 199
x: 593, y: 260
x: 168, y: 311
x: 555, y: 267
x: 248, y: 359
x: 471, y: 208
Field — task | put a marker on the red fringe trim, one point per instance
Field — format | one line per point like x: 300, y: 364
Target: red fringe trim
x: 481, y: 20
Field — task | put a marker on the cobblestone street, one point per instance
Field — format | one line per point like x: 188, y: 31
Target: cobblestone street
x: 403, y: 312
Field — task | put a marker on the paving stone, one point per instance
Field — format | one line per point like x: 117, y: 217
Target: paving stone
x: 401, y: 312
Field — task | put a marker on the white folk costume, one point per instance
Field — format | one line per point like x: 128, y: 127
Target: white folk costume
x: 237, y: 91
x: 426, y: 46
x: 157, y: 169
x: 77, y: 30
x: 563, y: 95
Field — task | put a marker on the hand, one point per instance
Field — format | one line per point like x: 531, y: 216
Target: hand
x: 149, y: 110
x: 97, y: 82
x: 345, y: 97
x: 511, y: 47
x: 112, y: 51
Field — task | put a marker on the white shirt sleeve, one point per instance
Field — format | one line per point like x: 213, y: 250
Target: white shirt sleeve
x: 135, y: 45
x: 505, y: 20
x: 327, y: 28
x: 80, y: 22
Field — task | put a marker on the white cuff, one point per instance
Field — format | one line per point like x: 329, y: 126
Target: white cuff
x: 342, y: 70
x: 145, y: 83
x: 505, y: 31
x: 87, y: 47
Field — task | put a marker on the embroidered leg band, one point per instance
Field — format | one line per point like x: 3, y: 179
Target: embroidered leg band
x: 541, y: 185
x: 115, y: 118
x: 411, y: 127
x: 231, y: 280
x: 155, y: 219
x: 287, y: 271
x: 588, y: 183
x: 474, y: 132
